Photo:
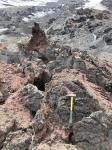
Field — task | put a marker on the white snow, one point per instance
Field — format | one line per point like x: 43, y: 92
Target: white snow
x: 96, y: 4
x: 42, y: 13
x: 94, y: 36
x: 3, y: 30
x: 38, y: 14
x: 6, y: 3
x: 25, y: 19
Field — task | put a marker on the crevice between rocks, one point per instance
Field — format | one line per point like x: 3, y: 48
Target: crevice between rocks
x: 70, y: 137
x: 108, y: 87
x: 41, y: 81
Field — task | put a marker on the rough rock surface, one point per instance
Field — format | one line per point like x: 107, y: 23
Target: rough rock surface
x: 17, y: 140
x: 38, y: 41
x: 56, y: 147
x: 107, y: 3
x: 34, y: 102
x: 32, y: 97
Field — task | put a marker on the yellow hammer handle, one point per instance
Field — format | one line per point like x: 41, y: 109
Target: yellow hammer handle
x: 72, y: 103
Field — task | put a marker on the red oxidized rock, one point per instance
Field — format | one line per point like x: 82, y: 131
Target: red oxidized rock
x: 38, y: 41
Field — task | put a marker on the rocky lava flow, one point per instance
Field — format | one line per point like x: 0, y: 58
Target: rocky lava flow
x: 34, y: 107
x: 107, y: 3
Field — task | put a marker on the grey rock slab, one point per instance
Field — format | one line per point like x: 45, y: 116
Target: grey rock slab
x: 32, y: 97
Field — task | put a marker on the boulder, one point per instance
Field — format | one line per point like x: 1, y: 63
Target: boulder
x: 108, y: 39
x: 32, y: 97
x: 93, y: 131
x: 18, y: 140
x: 84, y: 103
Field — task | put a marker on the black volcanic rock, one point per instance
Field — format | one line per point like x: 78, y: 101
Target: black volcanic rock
x: 107, y: 3
x: 36, y: 110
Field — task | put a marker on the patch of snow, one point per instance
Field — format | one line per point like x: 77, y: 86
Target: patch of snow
x: 7, y: 3
x: 78, y: 8
x: 42, y: 14
x: 25, y: 19
x: 38, y: 14
x: 3, y: 30
x: 95, y: 4
x: 94, y: 36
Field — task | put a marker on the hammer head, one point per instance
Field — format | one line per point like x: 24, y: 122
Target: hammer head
x: 71, y: 95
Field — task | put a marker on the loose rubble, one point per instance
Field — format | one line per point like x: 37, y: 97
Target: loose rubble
x: 69, y: 57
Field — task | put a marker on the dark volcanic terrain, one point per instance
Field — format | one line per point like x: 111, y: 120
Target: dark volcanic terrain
x: 42, y: 61
x: 107, y: 3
